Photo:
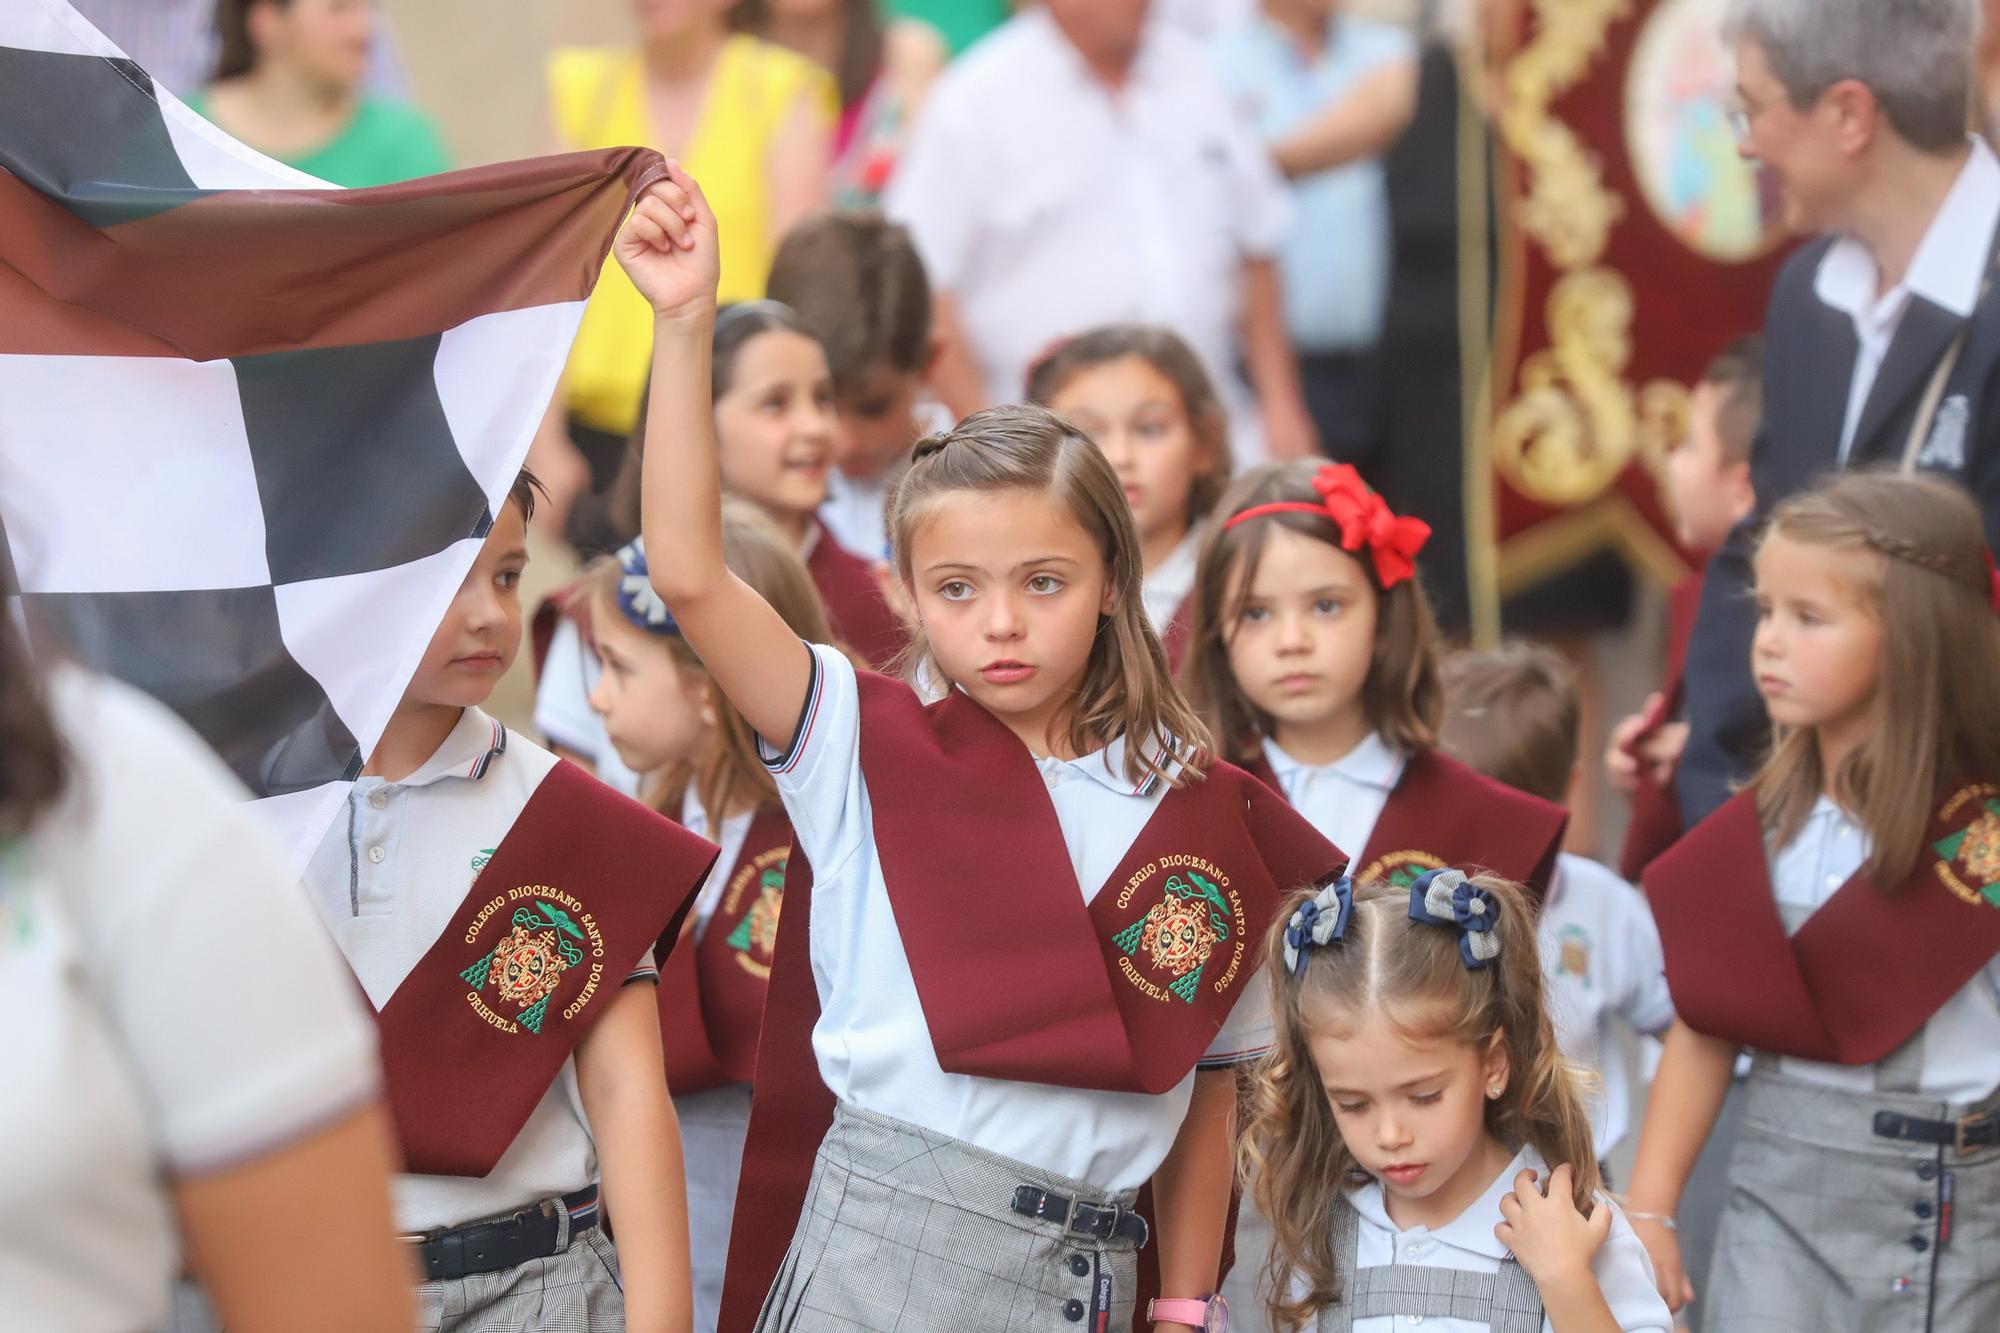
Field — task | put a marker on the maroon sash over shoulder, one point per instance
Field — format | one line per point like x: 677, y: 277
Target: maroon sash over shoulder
x: 1656, y: 812
x: 1443, y: 813
x: 1868, y: 968
x: 1149, y: 969
x: 712, y: 995
x: 581, y: 885
x: 861, y: 620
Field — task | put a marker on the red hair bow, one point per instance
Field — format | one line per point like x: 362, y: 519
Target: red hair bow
x: 1363, y: 518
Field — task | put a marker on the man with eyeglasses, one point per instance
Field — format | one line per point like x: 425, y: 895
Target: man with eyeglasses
x: 1883, y: 336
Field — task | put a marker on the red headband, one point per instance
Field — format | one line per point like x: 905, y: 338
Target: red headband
x: 1362, y: 516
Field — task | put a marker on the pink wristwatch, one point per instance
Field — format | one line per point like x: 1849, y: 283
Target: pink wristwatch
x: 1210, y: 1316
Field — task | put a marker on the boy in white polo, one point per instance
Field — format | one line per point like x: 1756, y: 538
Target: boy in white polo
x: 523, y: 1064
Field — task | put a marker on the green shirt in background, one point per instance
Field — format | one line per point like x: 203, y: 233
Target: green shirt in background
x: 962, y: 22
x: 386, y: 142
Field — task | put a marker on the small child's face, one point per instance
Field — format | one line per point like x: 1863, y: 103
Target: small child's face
x: 1009, y: 589
x: 1817, y: 653
x: 878, y: 421
x: 1413, y: 1112
x: 654, y: 712
x: 481, y: 631
x: 1136, y: 416
x: 774, y: 428
x: 1707, y: 493
x: 1303, y: 644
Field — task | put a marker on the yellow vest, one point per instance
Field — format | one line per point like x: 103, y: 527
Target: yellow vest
x: 599, y: 101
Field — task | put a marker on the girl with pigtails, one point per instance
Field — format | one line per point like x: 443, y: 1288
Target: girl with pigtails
x: 1415, y: 1137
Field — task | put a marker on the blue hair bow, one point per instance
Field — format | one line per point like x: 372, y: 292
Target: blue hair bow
x: 635, y: 596
x: 1448, y: 898
x: 1319, y: 921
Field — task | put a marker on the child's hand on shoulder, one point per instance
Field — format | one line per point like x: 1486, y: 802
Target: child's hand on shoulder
x: 1553, y: 1241
x: 669, y: 249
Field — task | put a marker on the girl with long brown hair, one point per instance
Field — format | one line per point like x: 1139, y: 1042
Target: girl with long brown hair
x: 1012, y: 992
x: 1840, y: 920
x: 698, y: 764
x: 1415, y: 1113
x: 1143, y: 396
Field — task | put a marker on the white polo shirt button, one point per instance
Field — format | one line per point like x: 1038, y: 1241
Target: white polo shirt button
x: 378, y: 798
x: 376, y: 856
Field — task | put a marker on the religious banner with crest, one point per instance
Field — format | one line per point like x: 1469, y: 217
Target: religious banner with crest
x: 1634, y: 243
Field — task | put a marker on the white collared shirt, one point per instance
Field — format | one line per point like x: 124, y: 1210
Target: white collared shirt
x: 1601, y: 955
x: 1624, y: 1273
x: 1342, y: 799
x: 1046, y: 204
x: 393, y: 868
x: 1947, y: 269
x: 1171, y: 582
x: 173, y: 1009
x: 735, y: 828
x: 562, y: 707
x: 853, y: 510
x: 872, y: 1043
x: 1961, y: 1058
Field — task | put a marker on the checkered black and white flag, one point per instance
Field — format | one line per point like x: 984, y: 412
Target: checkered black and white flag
x: 252, y: 428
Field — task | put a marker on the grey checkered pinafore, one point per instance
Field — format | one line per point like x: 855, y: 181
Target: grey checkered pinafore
x: 1506, y: 1301
x: 1831, y: 1228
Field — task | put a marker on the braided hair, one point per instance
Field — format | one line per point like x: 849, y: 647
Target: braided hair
x: 1931, y: 585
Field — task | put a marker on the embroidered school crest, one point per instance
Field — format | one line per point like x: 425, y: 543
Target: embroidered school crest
x: 547, y: 935
x: 1573, y: 953
x: 1971, y: 864
x: 1400, y: 868
x: 1180, y: 934
x: 756, y: 934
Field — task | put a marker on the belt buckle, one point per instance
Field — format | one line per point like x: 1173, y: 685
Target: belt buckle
x: 1960, y: 1128
x: 1070, y: 1228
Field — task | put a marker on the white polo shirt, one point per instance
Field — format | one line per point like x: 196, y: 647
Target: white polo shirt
x: 1947, y: 269
x: 393, y: 868
x: 1961, y: 1058
x: 872, y: 1043
x: 1169, y: 585
x: 1601, y: 955
x: 562, y: 707
x: 173, y: 1008
x: 1342, y: 799
x: 1624, y: 1273
x: 1046, y: 204
x: 729, y: 837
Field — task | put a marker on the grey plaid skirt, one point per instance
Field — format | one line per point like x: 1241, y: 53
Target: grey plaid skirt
x: 907, y: 1231
x: 1829, y: 1228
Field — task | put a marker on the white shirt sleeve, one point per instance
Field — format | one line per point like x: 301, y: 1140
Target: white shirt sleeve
x: 1641, y: 982
x: 1624, y: 1274
x: 819, y: 774
x: 244, y: 1028
x: 1248, y: 1031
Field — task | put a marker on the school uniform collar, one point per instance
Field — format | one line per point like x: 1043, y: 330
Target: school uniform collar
x: 1373, y: 763
x: 1106, y: 767
x: 1471, y: 1230
x: 467, y: 752
x: 1949, y: 266
x: 1175, y: 574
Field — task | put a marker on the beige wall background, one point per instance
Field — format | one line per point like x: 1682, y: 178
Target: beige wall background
x: 476, y: 65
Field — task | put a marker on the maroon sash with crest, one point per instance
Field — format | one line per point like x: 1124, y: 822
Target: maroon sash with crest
x: 1868, y: 968
x: 1442, y: 813
x: 712, y: 995
x: 1139, y: 980
x: 860, y: 619
x: 583, y: 883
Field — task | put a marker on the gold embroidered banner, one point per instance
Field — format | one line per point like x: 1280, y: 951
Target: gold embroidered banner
x: 1633, y: 244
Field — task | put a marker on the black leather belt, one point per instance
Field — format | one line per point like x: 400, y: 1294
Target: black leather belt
x: 504, y: 1242
x: 1963, y: 1135
x: 1099, y: 1221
